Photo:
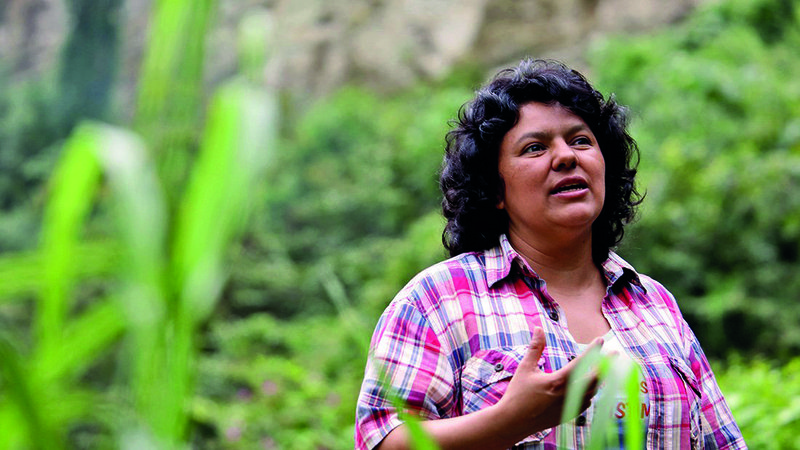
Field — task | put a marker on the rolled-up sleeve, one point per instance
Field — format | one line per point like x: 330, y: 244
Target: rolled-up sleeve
x: 406, y: 365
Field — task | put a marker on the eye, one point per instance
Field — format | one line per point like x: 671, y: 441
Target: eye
x: 535, y: 148
x: 582, y: 141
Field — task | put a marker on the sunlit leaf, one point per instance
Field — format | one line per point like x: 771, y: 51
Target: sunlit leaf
x: 86, y: 337
x: 21, y: 273
x: 235, y: 148
x: 71, y: 196
x: 578, y: 383
x: 141, y: 221
x: 634, y: 432
x: 18, y: 388
x: 602, y: 420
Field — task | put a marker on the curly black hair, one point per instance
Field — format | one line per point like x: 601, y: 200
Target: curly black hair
x: 470, y: 181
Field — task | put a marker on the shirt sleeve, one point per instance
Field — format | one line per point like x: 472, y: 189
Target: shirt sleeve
x: 719, y: 427
x: 407, y: 366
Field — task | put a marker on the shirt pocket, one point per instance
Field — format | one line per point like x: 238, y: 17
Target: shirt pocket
x: 693, y: 397
x: 485, y: 377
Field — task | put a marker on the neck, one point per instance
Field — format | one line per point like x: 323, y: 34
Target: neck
x: 566, y: 265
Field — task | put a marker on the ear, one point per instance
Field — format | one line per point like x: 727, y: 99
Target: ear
x: 501, y: 189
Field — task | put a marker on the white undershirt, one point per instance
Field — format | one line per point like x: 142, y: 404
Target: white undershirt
x: 621, y: 409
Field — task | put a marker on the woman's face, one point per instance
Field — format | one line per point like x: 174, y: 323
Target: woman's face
x: 554, y: 173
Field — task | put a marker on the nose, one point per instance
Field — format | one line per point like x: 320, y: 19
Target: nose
x: 564, y: 157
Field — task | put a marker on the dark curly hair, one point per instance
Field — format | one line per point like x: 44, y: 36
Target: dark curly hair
x: 471, y: 184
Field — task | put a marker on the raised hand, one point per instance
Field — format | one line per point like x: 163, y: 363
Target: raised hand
x: 534, y: 400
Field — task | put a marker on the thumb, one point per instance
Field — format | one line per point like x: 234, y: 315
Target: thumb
x: 531, y: 359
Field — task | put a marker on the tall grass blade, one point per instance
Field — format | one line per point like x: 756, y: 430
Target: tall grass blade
x: 86, y: 337
x: 139, y: 209
x: 633, y: 425
x: 17, y: 387
x: 71, y: 196
x: 603, y: 421
x: 212, y: 212
x: 418, y: 438
x: 335, y: 289
x: 236, y: 148
x: 14, y: 428
x: 170, y: 91
x: 256, y: 37
x: 141, y: 216
x: 578, y: 383
x: 21, y: 273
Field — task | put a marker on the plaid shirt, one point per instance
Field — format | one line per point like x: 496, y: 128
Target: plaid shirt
x: 452, y: 338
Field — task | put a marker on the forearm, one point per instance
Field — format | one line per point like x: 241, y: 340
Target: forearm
x: 487, y: 429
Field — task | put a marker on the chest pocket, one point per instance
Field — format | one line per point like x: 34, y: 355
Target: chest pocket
x: 693, y: 395
x: 676, y: 398
x: 485, y: 377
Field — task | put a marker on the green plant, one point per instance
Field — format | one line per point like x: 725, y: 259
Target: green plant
x: 167, y: 255
x: 765, y: 399
x: 715, y: 107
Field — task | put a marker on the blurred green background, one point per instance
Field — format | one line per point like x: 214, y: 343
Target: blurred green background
x: 201, y: 219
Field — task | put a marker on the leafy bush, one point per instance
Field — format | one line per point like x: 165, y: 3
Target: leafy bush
x: 288, y: 385
x: 356, y: 173
x: 716, y: 105
x: 765, y: 399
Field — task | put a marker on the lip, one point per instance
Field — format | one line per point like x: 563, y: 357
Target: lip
x: 569, y: 181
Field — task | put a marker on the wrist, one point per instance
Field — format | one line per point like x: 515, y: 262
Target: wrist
x: 510, y: 426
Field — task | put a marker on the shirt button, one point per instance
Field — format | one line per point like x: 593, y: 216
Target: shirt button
x: 554, y: 316
x: 498, y: 367
x: 580, y: 421
x: 570, y: 357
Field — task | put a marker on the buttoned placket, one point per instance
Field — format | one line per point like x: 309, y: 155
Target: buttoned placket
x: 557, y: 324
x: 624, y: 329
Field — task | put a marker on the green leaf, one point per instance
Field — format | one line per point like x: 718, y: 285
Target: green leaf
x: 236, y: 147
x: 85, y: 338
x: 170, y: 87
x: 71, y: 195
x: 420, y: 440
x: 16, y: 384
x: 634, y: 432
x: 578, y: 383
x: 141, y: 217
x: 602, y: 419
x: 21, y: 273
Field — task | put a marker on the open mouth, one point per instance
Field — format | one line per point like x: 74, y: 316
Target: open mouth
x: 569, y: 188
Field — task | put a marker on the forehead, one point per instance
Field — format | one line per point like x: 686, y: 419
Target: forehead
x: 544, y: 119
x: 547, y: 114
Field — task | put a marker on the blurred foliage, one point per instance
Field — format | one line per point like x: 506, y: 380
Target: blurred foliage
x: 346, y: 214
x: 162, y: 260
x: 36, y: 114
x: 357, y: 172
x: 717, y: 118
x: 765, y: 399
x: 287, y: 385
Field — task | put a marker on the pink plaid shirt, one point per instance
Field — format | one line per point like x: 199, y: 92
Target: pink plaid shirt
x: 452, y: 338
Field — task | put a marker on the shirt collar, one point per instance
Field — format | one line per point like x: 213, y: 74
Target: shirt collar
x: 502, y: 258
x: 616, y: 269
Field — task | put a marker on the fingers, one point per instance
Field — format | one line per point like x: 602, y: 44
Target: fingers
x: 531, y: 359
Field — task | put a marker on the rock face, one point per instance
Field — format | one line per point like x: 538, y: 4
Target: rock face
x: 31, y: 34
x: 322, y: 44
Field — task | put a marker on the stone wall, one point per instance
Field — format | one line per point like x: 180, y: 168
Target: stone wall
x: 322, y: 44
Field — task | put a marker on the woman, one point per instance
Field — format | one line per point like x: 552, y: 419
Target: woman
x: 538, y: 182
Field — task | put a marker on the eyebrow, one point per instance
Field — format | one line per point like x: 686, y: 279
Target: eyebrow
x: 543, y: 135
